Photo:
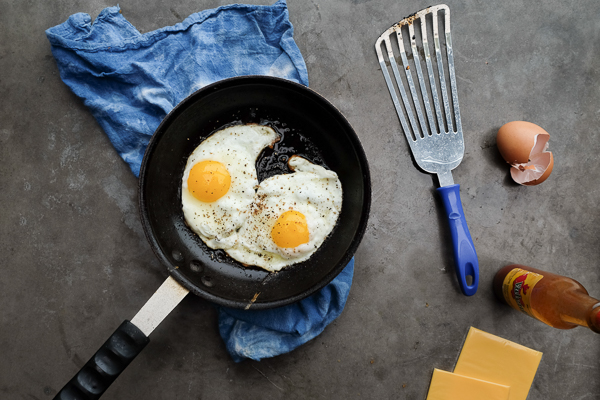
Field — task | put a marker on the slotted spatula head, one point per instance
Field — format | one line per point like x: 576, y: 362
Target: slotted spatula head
x: 435, y: 135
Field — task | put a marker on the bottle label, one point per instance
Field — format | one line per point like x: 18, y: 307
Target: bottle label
x: 517, y: 288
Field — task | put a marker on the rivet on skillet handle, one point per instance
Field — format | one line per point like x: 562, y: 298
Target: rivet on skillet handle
x: 106, y: 365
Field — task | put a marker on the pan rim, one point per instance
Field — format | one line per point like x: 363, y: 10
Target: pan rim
x: 176, y: 273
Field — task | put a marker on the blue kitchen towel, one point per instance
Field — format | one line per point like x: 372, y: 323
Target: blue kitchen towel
x: 130, y: 81
x: 267, y: 333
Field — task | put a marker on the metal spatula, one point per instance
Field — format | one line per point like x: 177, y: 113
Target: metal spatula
x: 435, y: 137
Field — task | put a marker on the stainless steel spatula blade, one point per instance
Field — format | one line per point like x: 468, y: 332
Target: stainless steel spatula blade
x: 430, y: 116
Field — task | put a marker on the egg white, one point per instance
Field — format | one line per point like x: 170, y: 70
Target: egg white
x: 237, y: 148
x: 312, y: 190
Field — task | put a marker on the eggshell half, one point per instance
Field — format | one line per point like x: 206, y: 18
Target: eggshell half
x: 516, y: 140
x: 524, y: 145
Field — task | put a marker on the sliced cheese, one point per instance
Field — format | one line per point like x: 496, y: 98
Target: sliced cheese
x: 493, y: 359
x: 448, y: 386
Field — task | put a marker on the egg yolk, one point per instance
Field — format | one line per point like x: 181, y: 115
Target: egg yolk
x: 209, y: 181
x: 290, y: 230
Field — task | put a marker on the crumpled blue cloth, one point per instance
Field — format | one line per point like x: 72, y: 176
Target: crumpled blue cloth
x: 130, y: 82
x: 266, y: 333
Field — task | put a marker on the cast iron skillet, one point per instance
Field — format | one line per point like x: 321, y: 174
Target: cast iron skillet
x: 294, y: 111
x: 311, y: 127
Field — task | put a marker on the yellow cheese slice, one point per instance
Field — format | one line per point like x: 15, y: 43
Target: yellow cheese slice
x: 493, y: 359
x: 448, y: 386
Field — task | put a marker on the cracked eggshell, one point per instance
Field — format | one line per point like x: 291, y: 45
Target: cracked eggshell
x: 539, y: 180
x: 524, y: 145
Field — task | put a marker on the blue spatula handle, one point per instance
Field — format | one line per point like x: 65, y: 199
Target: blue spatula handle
x: 465, y: 257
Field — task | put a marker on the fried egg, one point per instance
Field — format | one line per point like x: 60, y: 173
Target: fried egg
x: 290, y: 218
x: 219, y: 182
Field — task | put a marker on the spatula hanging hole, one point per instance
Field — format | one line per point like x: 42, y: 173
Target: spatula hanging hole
x: 469, y: 279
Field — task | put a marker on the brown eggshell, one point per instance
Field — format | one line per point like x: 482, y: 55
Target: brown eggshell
x: 544, y: 176
x: 516, y: 139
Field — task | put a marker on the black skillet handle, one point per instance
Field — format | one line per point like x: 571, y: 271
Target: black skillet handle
x: 106, y: 365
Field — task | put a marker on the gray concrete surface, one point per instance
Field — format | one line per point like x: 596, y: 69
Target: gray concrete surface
x: 75, y: 262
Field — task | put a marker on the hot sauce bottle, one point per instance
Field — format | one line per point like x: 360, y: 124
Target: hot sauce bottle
x: 556, y: 300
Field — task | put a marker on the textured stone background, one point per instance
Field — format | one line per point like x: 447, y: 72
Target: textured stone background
x: 76, y: 262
